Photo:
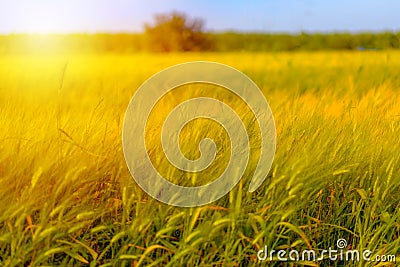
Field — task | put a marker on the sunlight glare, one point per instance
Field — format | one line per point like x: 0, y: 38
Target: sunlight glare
x: 45, y: 17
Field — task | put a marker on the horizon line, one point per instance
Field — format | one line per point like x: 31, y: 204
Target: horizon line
x: 353, y: 32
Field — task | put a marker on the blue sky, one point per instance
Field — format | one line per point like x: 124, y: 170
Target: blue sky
x: 44, y: 16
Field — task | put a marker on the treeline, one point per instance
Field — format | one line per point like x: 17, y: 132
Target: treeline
x: 225, y: 42
x: 305, y: 41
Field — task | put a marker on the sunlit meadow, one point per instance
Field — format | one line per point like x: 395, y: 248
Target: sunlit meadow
x: 68, y: 199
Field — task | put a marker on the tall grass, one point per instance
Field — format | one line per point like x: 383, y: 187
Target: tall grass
x: 67, y: 197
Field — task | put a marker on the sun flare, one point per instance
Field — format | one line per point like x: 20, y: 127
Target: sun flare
x: 45, y: 17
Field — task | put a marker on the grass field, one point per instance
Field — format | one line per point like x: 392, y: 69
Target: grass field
x: 68, y: 199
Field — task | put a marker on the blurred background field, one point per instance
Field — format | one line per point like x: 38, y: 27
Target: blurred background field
x: 68, y: 198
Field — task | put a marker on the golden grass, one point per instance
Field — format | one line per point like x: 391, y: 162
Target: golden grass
x: 67, y: 196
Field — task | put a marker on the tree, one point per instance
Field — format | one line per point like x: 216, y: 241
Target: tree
x: 176, y: 32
